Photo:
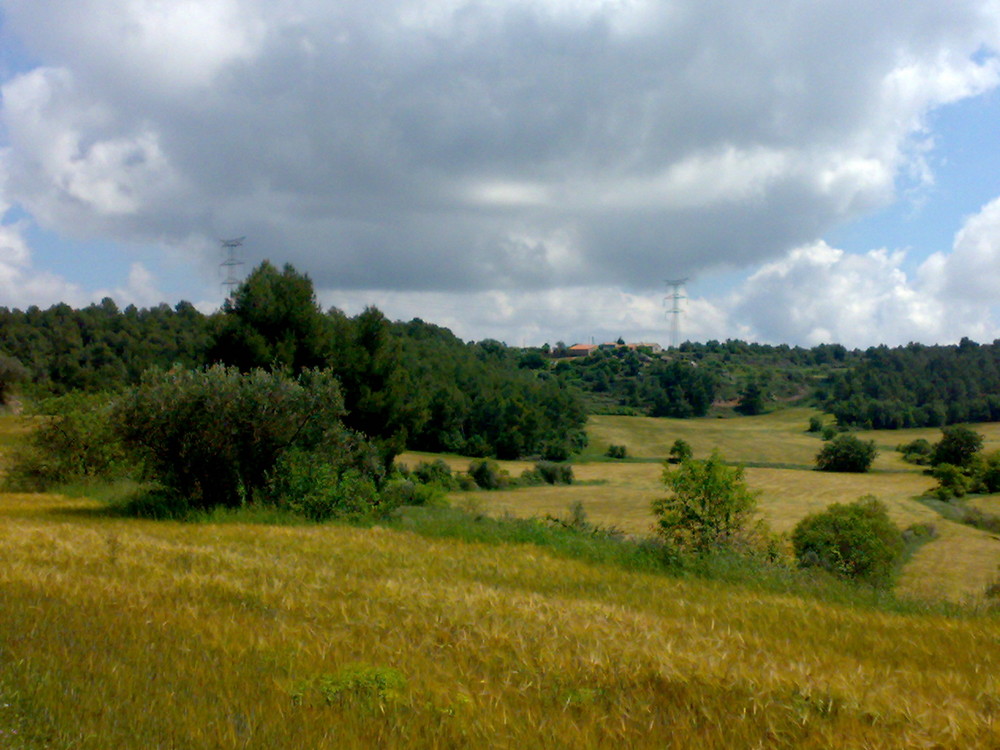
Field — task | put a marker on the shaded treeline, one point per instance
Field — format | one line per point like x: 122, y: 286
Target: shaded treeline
x: 416, y: 384
x: 404, y: 384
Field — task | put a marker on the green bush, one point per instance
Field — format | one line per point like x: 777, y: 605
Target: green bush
x: 680, y: 451
x: 815, y: 424
x: 435, y: 472
x: 846, y: 453
x: 400, y: 491
x: 74, y: 441
x: 917, y: 451
x: 856, y: 541
x: 553, y: 473
x: 308, y: 483
x: 952, y: 481
x: 215, y: 437
x: 616, y: 451
x: 488, y: 475
x: 710, y: 504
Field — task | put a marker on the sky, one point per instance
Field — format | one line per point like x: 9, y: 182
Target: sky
x: 526, y: 170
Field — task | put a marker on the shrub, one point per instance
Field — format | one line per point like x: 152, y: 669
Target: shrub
x: 530, y: 478
x: 435, y: 472
x: 989, y: 475
x: 400, y: 491
x: 917, y: 452
x: 616, y: 451
x: 680, y: 451
x: 216, y: 437
x: 553, y: 473
x: 75, y: 441
x: 488, y: 475
x: 846, y: 453
x: 709, y: 506
x: 815, y: 424
x: 829, y: 432
x: 856, y: 541
x: 952, y: 481
x: 310, y: 484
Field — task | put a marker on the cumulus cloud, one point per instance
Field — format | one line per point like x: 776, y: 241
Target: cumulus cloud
x: 818, y: 294
x: 458, y: 146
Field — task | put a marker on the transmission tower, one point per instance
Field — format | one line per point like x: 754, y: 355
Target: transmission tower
x: 231, y: 263
x: 674, y: 298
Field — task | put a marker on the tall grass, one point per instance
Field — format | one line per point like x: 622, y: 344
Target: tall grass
x: 134, y: 634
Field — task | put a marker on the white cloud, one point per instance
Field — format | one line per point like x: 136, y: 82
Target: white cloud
x: 20, y: 284
x: 818, y: 294
x: 971, y: 271
x: 401, y: 144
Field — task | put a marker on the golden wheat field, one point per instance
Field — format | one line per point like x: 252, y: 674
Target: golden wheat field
x: 138, y: 634
x: 958, y: 565
x: 120, y: 633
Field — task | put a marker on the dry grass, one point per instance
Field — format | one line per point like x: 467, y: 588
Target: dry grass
x: 119, y: 633
x: 132, y: 634
x: 779, y: 437
x: 957, y: 565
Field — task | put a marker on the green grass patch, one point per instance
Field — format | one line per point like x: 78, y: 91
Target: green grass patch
x: 607, y: 547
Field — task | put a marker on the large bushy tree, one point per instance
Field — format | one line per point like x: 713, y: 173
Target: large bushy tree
x: 958, y: 446
x: 856, y: 541
x: 213, y: 436
x: 273, y: 321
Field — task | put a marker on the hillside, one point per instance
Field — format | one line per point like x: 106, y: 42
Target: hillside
x: 780, y: 456
x: 120, y: 633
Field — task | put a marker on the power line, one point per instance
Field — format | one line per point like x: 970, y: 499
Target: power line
x: 231, y: 263
x: 674, y: 312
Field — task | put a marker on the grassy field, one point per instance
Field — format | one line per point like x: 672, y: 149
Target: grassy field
x: 136, y: 634
x: 121, y: 633
x: 780, y: 454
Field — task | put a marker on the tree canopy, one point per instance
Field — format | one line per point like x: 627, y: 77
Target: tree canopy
x: 709, y: 504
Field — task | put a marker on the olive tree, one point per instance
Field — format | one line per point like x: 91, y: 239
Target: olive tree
x: 216, y: 436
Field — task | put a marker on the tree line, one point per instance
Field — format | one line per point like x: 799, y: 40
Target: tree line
x: 403, y: 384
x: 417, y: 384
x: 916, y: 386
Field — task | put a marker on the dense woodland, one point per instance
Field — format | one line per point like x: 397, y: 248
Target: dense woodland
x: 917, y: 386
x: 414, y: 384
x: 404, y: 384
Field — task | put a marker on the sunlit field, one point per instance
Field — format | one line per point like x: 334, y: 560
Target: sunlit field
x: 120, y: 633
x: 123, y: 633
x: 780, y: 455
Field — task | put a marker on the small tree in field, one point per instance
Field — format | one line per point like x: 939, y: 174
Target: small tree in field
x: 709, y: 506
x: 846, y: 453
x: 958, y: 446
x: 856, y: 541
x: 680, y: 451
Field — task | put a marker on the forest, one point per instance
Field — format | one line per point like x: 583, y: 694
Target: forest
x: 414, y: 384
x: 404, y: 384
